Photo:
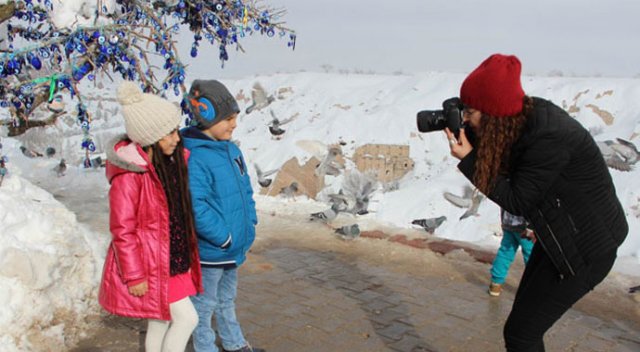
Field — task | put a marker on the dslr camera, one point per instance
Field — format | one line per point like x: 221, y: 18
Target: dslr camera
x: 449, y: 117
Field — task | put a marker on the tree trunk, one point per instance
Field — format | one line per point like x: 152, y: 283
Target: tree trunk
x: 6, y: 11
x: 22, y: 114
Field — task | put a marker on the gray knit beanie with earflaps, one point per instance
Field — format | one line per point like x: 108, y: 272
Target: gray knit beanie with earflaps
x: 211, y: 102
x: 147, y: 117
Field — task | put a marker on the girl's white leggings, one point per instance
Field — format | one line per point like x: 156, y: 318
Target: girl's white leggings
x: 172, y: 336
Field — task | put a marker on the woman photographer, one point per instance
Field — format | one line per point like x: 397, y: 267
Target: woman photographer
x: 532, y: 159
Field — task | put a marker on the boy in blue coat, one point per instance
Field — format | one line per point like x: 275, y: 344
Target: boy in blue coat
x: 224, y: 212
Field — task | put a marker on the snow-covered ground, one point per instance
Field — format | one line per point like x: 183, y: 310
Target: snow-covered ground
x: 63, y: 255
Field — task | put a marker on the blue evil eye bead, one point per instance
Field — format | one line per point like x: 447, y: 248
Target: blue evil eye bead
x: 101, y: 39
x: 82, y: 71
x: 194, y: 52
x: 114, y: 39
x: 91, y: 77
x: 218, y: 7
x: 271, y: 32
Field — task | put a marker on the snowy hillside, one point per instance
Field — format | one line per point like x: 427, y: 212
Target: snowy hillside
x: 326, y: 109
x: 361, y: 109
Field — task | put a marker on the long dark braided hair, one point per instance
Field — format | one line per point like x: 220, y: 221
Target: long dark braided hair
x: 166, y: 166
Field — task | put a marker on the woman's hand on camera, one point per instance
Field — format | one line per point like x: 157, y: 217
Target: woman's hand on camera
x: 460, y: 147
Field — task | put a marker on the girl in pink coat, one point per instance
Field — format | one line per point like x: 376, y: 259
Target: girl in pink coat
x: 152, y: 264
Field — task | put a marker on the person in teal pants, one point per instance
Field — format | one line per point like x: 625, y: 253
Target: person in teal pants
x: 514, y: 235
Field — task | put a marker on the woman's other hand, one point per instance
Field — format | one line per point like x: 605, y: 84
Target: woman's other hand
x: 461, y: 147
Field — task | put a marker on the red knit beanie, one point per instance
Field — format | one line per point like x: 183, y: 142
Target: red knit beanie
x: 494, y: 87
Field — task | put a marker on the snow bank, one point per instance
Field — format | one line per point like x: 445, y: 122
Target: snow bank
x: 49, y: 268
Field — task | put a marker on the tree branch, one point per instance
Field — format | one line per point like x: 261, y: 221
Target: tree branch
x: 7, y: 10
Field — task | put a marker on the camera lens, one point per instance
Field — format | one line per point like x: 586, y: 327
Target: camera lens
x: 431, y: 120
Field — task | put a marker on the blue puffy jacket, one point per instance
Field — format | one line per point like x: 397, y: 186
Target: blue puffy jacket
x: 223, y: 207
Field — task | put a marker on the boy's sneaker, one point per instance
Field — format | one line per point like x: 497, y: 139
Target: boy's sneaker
x: 247, y: 348
x: 495, y: 289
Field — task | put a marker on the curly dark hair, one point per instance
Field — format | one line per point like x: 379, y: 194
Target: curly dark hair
x: 494, y: 141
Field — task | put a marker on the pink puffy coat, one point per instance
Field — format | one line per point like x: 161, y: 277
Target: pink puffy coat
x: 139, y: 250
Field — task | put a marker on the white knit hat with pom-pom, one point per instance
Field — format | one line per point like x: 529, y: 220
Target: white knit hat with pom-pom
x: 147, y: 117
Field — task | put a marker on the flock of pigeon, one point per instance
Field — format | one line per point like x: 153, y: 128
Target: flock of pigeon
x: 619, y: 154
x: 61, y: 168
x: 354, y: 197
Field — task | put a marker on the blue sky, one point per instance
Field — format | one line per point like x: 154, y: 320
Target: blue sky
x: 574, y: 37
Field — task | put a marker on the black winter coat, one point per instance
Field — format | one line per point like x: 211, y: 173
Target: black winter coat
x: 559, y: 182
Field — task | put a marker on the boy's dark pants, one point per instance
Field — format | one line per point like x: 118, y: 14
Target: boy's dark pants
x: 542, y: 298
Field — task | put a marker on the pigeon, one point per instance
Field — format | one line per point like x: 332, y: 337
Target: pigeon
x: 50, y: 152
x: 263, y: 181
x: 627, y: 150
x: 342, y: 201
x: 260, y: 98
x: 290, y: 190
x: 329, y: 165
x: 274, y: 127
x: 476, y: 199
x: 60, y: 168
x: 390, y: 186
x: 471, y: 201
x: 620, y: 154
x: 348, y: 232
x: 634, y: 289
x: 29, y: 153
x: 460, y: 202
x: 97, y: 162
x: 431, y: 224
x: 358, y: 188
x: 327, y: 215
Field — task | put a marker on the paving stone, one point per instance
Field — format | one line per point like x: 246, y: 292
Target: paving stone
x: 326, y: 301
